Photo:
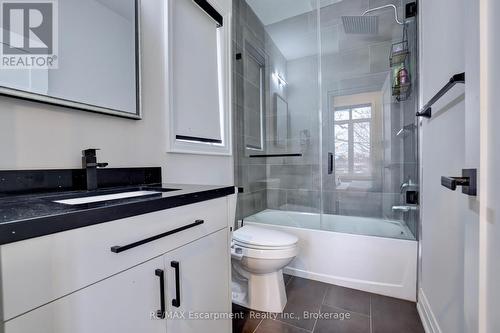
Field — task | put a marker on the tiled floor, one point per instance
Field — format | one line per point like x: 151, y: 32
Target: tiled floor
x: 335, y: 310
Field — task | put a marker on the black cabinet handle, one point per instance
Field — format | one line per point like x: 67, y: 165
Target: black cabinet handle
x: 330, y: 163
x: 161, y: 313
x: 118, y: 249
x: 468, y: 181
x: 177, y: 300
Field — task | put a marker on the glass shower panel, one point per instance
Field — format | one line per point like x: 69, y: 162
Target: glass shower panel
x: 276, y: 103
x: 369, y: 99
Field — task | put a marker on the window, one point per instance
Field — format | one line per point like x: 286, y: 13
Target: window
x: 352, y: 135
x: 197, y: 76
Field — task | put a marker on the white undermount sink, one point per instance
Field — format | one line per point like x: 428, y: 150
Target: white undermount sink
x: 105, y: 197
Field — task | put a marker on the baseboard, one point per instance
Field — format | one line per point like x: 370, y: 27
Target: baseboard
x: 426, y: 315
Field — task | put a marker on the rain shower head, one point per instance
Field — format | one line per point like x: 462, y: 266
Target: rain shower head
x: 367, y: 25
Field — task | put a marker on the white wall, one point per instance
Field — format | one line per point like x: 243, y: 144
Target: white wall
x: 472, y: 160
x: 490, y: 164
x: 36, y: 136
x: 448, y: 292
x: 475, y: 304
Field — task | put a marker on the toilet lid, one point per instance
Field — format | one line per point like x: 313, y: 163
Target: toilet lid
x: 259, y: 236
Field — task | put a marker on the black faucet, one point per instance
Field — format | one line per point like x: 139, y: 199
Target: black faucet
x: 89, y: 163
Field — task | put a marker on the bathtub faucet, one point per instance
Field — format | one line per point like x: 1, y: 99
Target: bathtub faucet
x: 408, y: 186
x: 404, y: 209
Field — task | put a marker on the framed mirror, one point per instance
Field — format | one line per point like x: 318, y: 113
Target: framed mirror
x: 83, y: 54
x: 281, y: 117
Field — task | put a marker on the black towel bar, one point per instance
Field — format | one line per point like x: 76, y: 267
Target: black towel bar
x: 276, y: 155
x: 427, y: 109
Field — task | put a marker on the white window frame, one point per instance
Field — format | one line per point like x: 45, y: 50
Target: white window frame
x: 175, y: 145
x: 350, y: 141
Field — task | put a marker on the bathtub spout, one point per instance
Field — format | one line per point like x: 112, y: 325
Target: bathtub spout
x: 405, y: 209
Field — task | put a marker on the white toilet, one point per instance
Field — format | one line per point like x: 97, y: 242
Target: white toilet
x: 258, y: 256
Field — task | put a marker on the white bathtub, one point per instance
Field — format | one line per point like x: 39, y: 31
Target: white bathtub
x: 374, y: 255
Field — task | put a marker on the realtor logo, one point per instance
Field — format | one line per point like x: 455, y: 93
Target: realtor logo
x: 29, y: 34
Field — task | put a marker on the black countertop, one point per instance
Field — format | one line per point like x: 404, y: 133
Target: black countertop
x: 28, y: 216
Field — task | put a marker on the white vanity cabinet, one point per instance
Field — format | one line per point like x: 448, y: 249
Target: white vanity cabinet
x: 72, y: 281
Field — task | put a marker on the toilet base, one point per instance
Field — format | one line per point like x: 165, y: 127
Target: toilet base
x: 264, y: 292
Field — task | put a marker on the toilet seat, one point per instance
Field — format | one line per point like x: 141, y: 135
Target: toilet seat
x: 247, y: 252
x: 261, y: 247
x: 262, y: 243
x: 251, y: 236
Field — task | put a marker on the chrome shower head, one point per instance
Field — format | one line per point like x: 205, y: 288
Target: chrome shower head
x: 367, y: 25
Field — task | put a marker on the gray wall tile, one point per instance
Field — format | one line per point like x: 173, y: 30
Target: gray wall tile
x: 303, y: 201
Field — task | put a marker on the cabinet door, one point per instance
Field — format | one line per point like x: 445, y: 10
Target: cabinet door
x: 122, y: 303
x: 202, y: 287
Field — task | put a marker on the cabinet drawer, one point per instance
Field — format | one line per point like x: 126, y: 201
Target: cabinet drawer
x: 39, y: 270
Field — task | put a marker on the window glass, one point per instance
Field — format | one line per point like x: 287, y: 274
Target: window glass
x: 362, y: 112
x: 361, y: 148
x: 352, y: 128
x: 342, y: 148
x: 342, y: 115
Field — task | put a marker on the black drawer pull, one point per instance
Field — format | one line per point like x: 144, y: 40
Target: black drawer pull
x: 161, y: 313
x: 118, y: 248
x: 177, y: 300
